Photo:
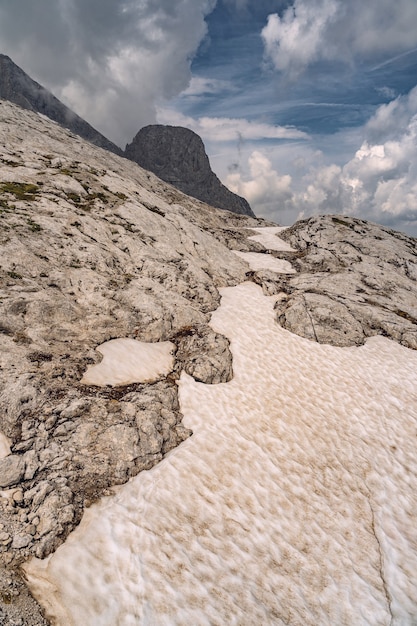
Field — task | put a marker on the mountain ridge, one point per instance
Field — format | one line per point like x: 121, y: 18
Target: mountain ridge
x: 18, y: 87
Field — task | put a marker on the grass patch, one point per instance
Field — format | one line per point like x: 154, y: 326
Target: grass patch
x: 39, y: 356
x: 21, y: 191
x: 87, y: 203
x: 15, y: 275
x: 11, y: 163
x: 34, y: 227
x: 337, y: 220
x: 405, y: 316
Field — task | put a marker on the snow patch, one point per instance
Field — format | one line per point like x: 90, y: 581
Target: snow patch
x: 258, y: 262
x: 268, y: 237
x: 128, y: 361
x: 5, y: 444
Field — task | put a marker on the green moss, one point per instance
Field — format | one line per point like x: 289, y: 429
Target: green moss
x: 15, y: 275
x: 65, y: 171
x: 74, y: 197
x: 21, y: 191
x: 337, y: 220
x: 10, y: 163
x: 34, y: 227
x: 405, y: 316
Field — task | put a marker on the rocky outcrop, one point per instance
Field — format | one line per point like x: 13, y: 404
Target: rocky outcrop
x: 355, y: 280
x: 177, y: 155
x: 16, y: 86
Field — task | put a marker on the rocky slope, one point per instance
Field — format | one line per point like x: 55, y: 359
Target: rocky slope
x: 94, y: 248
x: 19, y: 88
x: 177, y: 155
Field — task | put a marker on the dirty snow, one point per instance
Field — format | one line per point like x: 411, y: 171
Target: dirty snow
x: 128, y: 361
x: 258, y: 262
x: 294, y: 501
x: 268, y: 237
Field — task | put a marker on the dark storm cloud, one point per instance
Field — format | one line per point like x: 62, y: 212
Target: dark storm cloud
x: 111, y: 60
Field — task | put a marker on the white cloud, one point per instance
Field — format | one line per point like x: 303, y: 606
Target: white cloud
x: 200, y: 85
x: 223, y: 129
x: 295, y: 40
x: 110, y: 61
x: 310, y: 30
x: 378, y: 183
x: 266, y: 189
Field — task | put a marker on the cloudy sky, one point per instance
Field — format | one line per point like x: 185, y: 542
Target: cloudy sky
x: 305, y: 106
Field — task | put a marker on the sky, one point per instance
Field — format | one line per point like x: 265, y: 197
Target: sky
x: 305, y: 106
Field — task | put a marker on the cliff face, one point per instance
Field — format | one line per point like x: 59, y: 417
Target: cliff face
x: 177, y: 155
x: 17, y: 87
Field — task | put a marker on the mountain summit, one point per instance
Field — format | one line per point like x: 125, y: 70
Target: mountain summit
x: 177, y: 155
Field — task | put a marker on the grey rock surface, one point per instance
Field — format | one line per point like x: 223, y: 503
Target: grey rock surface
x: 93, y: 248
x: 177, y: 155
x: 17, y: 87
x: 355, y: 280
x: 12, y: 470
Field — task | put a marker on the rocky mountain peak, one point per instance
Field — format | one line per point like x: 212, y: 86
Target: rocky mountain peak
x: 177, y: 155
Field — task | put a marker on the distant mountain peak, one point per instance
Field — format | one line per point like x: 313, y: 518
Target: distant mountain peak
x: 177, y: 155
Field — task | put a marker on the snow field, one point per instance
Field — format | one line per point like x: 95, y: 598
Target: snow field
x: 259, y: 261
x: 292, y: 502
x: 267, y: 236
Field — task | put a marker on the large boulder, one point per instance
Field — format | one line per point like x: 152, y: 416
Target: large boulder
x: 177, y: 155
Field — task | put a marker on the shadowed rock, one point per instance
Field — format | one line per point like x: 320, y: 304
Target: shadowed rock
x: 177, y: 155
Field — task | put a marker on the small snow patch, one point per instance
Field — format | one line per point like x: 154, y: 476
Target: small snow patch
x: 268, y: 238
x: 4, y: 446
x: 127, y: 361
x: 259, y: 261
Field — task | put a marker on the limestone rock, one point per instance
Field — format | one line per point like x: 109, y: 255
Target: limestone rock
x: 12, y: 470
x: 355, y: 279
x: 204, y: 355
x: 177, y: 155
